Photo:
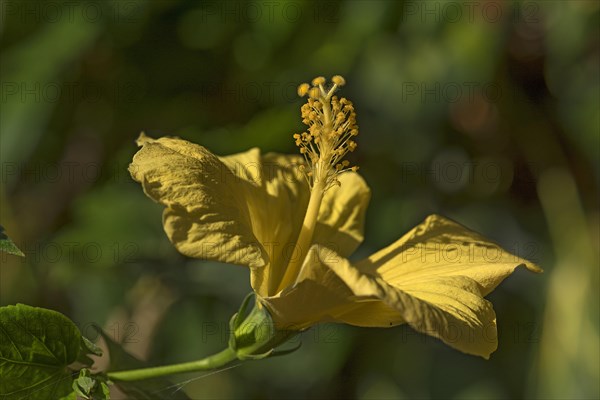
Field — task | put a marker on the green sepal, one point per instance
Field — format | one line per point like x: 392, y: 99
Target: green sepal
x: 278, y: 353
x: 271, y: 353
x: 253, y: 334
x: 255, y: 356
x: 241, y: 314
x: 232, y: 325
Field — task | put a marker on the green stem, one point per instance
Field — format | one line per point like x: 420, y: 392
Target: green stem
x: 211, y: 362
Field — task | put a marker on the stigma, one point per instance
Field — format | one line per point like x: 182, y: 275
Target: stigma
x: 331, y: 123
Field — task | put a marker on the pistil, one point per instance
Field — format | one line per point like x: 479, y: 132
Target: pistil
x: 331, y: 126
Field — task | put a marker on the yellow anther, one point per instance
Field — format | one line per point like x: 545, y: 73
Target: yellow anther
x: 355, y: 168
x: 338, y: 80
x: 319, y: 80
x: 331, y: 123
x: 314, y: 93
x: 303, y: 89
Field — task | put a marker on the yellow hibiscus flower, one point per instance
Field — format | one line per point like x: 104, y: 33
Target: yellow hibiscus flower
x: 294, y: 221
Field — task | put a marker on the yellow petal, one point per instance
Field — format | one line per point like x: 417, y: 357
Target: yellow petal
x: 441, y: 247
x: 206, y: 214
x: 277, y: 196
x: 246, y: 165
x: 252, y: 206
x: 321, y: 295
x: 449, y: 308
x: 277, y: 204
x: 329, y: 288
x: 318, y: 295
x: 342, y: 214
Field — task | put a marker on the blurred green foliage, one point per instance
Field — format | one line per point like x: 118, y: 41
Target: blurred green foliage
x: 486, y: 112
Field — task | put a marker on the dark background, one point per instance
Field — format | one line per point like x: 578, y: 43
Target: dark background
x: 486, y: 112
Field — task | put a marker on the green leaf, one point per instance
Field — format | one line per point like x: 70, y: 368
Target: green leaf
x: 105, y: 391
x: 86, y: 348
x: 36, y: 346
x: 70, y: 396
x: 90, y: 347
x: 121, y: 360
x: 84, y: 384
x: 90, y: 386
x: 7, y: 245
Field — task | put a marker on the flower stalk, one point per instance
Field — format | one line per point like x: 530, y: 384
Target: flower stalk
x: 252, y: 337
x: 218, y: 360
